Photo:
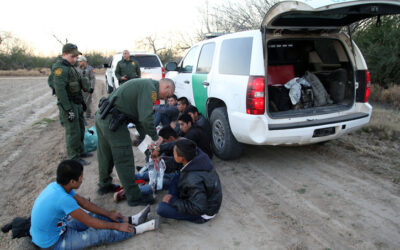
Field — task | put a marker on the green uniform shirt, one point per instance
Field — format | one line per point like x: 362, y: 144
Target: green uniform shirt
x: 130, y: 69
x: 135, y: 98
x: 66, y: 82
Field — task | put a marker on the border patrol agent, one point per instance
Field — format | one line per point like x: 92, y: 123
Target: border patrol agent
x: 131, y: 102
x: 127, y: 68
x: 67, y: 84
x: 87, y: 71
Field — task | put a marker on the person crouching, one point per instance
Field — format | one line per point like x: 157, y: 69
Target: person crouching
x: 195, y: 194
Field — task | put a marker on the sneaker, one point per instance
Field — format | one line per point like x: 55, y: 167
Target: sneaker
x: 119, y: 195
x: 145, y: 200
x: 140, y: 217
x: 108, y: 189
x: 86, y: 154
x: 83, y: 162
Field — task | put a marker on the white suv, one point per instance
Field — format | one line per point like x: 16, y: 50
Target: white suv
x: 150, y: 67
x: 237, y: 80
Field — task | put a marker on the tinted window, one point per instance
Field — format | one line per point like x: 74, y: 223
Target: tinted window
x: 189, y: 61
x: 235, y: 56
x: 205, y: 58
x: 147, y: 61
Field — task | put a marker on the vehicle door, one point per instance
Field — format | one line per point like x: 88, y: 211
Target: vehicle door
x: 201, y: 78
x: 115, y: 82
x: 183, y: 81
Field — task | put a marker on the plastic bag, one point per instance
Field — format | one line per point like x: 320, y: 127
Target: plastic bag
x: 160, y: 174
x: 90, y: 140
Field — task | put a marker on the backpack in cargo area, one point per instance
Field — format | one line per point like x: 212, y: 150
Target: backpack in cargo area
x: 279, y: 97
x: 321, y: 97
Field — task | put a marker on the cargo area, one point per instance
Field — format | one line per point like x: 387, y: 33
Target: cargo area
x: 308, y: 77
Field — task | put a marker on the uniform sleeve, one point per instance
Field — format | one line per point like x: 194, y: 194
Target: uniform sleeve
x: 60, y: 76
x: 118, y: 71
x: 145, y: 108
x: 92, y: 77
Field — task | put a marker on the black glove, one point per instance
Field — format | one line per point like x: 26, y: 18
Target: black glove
x: 91, y: 90
x: 71, y: 116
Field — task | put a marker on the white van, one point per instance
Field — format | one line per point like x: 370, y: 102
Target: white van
x: 237, y: 80
x: 150, y: 67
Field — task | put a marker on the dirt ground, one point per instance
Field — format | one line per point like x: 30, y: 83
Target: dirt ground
x: 343, y: 194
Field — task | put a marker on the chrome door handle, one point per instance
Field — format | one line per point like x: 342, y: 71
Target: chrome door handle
x: 206, y: 84
x: 186, y: 81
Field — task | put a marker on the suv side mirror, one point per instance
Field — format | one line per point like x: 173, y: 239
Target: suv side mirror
x: 171, y: 66
x: 106, y: 65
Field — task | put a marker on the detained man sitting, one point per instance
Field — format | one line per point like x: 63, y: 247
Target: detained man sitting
x: 60, y: 219
x: 195, y: 194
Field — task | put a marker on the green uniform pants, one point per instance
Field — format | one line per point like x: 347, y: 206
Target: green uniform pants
x: 74, y: 131
x: 115, y: 149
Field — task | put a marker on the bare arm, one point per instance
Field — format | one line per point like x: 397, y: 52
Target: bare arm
x: 91, y: 207
x: 89, y: 221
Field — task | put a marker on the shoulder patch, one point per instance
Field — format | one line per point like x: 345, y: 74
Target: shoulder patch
x: 133, y: 63
x: 153, y: 96
x: 58, y: 71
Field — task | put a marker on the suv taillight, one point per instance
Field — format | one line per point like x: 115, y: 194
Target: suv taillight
x: 255, y: 96
x: 163, y: 73
x: 367, y: 86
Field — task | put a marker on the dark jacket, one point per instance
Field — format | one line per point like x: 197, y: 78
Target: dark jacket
x: 199, y: 188
x: 170, y: 111
x: 200, y: 137
x: 204, y: 124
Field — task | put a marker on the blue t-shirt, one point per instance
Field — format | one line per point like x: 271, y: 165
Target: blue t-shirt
x: 49, y: 214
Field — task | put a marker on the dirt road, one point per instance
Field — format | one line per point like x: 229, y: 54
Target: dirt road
x: 342, y: 194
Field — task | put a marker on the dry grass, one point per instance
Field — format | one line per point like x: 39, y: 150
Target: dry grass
x: 389, y: 95
x: 36, y: 72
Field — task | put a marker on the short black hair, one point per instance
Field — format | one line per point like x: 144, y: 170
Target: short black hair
x: 183, y: 100
x: 167, y: 131
x: 186, y: 118
x: 68, y: 170
x: 186, y: 148
x: 192, y: 109
x: 173, y: 96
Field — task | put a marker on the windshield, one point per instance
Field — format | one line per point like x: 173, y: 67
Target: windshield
x: 146, y: 61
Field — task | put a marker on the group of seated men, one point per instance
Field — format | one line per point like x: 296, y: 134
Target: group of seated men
x: 61, y: 219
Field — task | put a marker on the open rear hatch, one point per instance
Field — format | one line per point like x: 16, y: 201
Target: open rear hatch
x: 300, y: 51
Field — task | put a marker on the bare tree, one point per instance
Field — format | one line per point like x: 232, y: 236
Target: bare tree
x: 234, y: 16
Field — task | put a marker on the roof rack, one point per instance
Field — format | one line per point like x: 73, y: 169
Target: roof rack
x: 213, y: 35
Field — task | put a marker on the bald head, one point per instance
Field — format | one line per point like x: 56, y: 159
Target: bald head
x: 126, y: 55
x: 166, y: 88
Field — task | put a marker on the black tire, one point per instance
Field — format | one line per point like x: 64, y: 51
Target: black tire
x: 224, y: 144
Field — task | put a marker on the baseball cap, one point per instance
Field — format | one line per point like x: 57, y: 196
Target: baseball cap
x: 81, y: 58
x: 70, y: 48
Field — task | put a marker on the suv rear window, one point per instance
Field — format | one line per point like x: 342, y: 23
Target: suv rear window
x: 147, y: 61
x: 235, y: 56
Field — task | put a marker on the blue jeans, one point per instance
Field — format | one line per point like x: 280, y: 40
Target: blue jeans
x: 79, y: 236
x: 145, y: 176
x: 167, y: 211
x: 159, y: 117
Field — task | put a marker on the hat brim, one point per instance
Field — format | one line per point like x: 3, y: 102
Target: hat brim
x: 76, y: 53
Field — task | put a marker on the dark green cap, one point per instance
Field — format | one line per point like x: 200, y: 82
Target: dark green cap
x: 70, y: 48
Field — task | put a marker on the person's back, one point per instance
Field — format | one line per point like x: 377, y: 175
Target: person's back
x: 49, y: 214
x: 200, y: 137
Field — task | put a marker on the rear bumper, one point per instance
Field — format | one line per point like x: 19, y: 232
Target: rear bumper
x: 256, y: 130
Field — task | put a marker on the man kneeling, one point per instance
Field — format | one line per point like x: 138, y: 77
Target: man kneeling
x: 52, y: 226
x: 195, y: 194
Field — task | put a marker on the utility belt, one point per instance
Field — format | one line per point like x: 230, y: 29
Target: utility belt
x: 117, y: 117
x: 78, y: 99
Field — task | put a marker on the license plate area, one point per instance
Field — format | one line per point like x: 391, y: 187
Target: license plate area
x: 324, y: 132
